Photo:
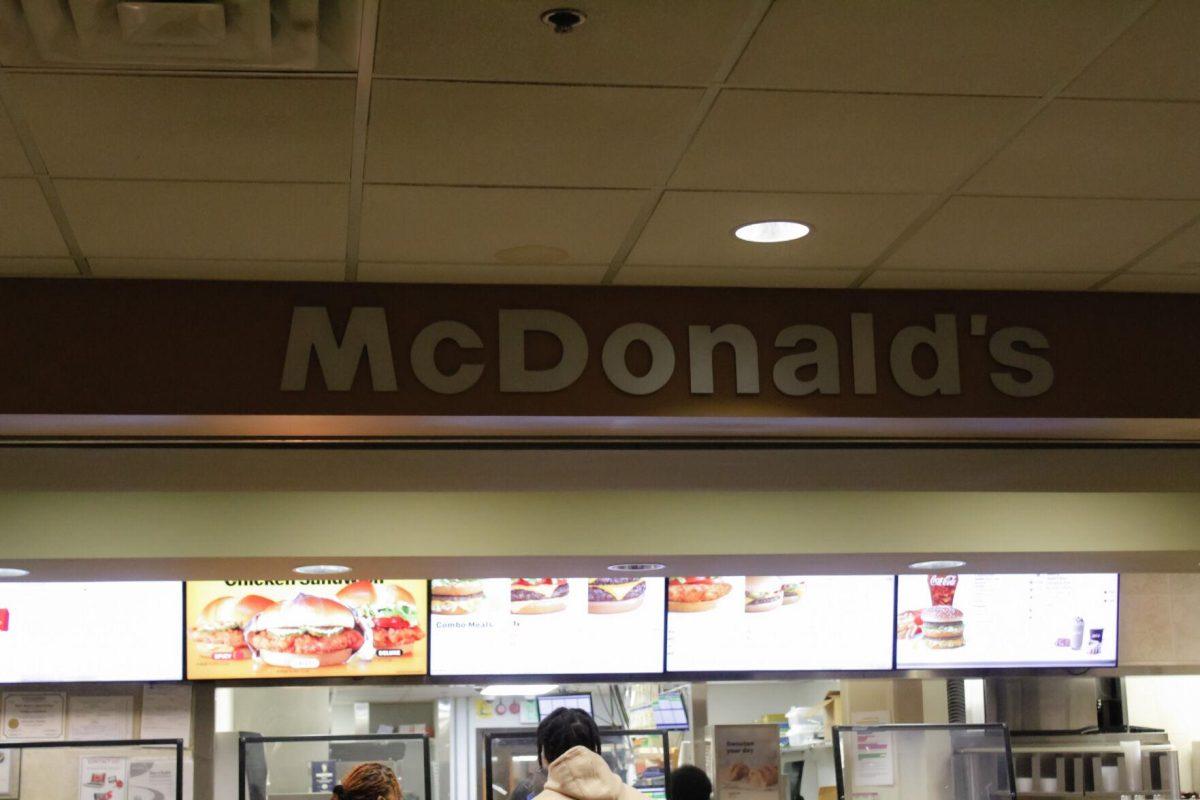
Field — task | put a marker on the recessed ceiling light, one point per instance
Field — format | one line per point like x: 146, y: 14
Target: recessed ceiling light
x: 944, y: 564
x: 321, y: 569
x: 772, y: 231
x: 13, y: 572
x: 517, y: 689
x: 648, y: 567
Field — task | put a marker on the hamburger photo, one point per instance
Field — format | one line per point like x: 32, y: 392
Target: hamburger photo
x: 455, y: 596
x: 305, y: 632
x: 615, y: 595
x: 390, y: 610
x: 763, y: 593
x: 539, y: 595
x: 942, y: 627
x: 695, y: 593
x: 793, y: 590
x: 219, y: 633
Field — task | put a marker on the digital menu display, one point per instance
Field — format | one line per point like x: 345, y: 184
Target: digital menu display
x: 546, y: 626
x: 116, y: 631
x: 960, y: 621
x: 794, y: 623
x: 305, y: 629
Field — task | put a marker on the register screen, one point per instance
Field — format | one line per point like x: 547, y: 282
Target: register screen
x: 796, y: 623
x: 120, y: 631
x: 963, y: 621
x: 546, y: 626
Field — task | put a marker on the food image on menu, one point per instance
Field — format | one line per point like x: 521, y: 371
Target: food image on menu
x: 1016, y: 620
x: 455, y: 596
x: 390, y: 611
x: 763, y: 594
x: 305, y: 628
x: 615, y: 595
x: 942, y: 627
x: 793, y: 591
x: 219, y: 632
x: 305, y: 632
x: 696, y: 593
x: 539, y: 595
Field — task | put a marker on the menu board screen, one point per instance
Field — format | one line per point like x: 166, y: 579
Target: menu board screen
x: 116, y: 631
x: 305, y: 629
x: 960, y: 621
x: 546, y: 626
x: 763, y: 623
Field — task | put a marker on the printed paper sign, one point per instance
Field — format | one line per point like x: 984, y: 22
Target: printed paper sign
x: 747, y: 762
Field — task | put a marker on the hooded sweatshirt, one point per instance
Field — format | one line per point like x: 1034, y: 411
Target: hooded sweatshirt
x: 580, y: 774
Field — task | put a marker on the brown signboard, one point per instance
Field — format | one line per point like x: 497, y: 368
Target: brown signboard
x: 562, y: 359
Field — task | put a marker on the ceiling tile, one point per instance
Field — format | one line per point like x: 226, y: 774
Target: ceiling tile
x: 1157, y: 58
x: 225, y: 270
x: 431, y: 224
x: 662, y: 42
x: 12, y: 155
x: 28, y: 228
x: 771, y: 277
x: 943, y: 46
x: 193, y: 220
x: 950, y: 279
x: 696, y: 228
x: 213, y: 128
x: 1143, y: 282
x: 1037, y: 234
x: 479, y: 133
x: 763, y: 140
x: 545, y: 274
x: 1180, y: 252
x: 1093, y: 148
x: 38, y: 268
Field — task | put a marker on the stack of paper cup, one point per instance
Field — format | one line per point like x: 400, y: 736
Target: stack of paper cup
x: 1132, y: 759
x: 1024, y: 785
x: 1110, y: 779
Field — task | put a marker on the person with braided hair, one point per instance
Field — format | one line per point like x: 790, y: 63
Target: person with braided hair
x: 370, y: 781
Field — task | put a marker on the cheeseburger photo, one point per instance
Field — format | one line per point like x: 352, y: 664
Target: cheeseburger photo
x: 539, y: 595
x: 391, y: 611
x: 942, y: 627
x: 695, y: 593
x: 763, y: 593
x: 792, y: 592
x: 615, y: 595
x: 455, y: 596
x: 219, y: 633
x: 305, y: 632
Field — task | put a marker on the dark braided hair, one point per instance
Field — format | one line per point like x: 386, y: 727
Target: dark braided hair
x: 563, y: 729
x: 370, y: 781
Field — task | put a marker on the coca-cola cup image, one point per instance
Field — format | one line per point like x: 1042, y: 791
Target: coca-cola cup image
x: 941, y: 589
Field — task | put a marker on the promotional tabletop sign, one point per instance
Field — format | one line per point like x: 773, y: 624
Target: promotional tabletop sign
x: 747, y: 762
x: 305, y: 628
x: 103, y: 778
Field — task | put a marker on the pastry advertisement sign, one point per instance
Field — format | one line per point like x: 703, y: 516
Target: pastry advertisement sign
x: 747, y: 762
x: 305, y: 629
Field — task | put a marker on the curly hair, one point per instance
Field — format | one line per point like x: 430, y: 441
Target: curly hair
x: 370, y: 781
x: 563, y: 729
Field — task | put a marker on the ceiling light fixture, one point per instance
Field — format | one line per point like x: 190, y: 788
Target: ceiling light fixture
x: 517, y: 689
x: 13, y: 572
x: 942, y: 564
x: 647, y: 567
x: 772, y: 231
x: 321, y: 569
x: 564, y: 20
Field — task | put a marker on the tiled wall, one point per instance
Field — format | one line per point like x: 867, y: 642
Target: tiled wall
x: 1160, y: 619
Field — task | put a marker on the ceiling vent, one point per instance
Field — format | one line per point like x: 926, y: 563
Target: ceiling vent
x: 220, y: 34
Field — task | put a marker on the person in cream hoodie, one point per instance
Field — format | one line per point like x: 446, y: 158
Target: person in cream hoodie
x: 569, y: 749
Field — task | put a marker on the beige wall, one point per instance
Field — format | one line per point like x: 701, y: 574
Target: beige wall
x: 1160, y: 619
x: 62, y: 525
